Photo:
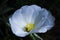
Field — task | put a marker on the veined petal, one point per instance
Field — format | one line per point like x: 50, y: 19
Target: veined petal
x: 21, y: 33
x: 36, y: 12
x: 27, y: 12
x: 40, y: 19
x: 17, y: 19
x: 17, y: 24
x: 44, y: 21
x: 49, y: 23
x: 17, y: 29
x: 36, y: 7
x: 43, y: 13
x: 30, y: 12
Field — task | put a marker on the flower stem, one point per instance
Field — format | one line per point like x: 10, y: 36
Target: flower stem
x: 38, y: 36
x: 31, y: 35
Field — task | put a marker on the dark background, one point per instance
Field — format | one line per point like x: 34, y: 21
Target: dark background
x: 7, y: 8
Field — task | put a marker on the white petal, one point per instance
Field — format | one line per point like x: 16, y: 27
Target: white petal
x: 17, y: 29
x: 36, y: 12
x: 27, y: 12
x: 49, y: 23
x: 35, y: 7
x: 17, y: 24
x: 21, y: 33
x: 40, y: 19
x: 43, y: 13
x: 44, y: 22
x: 30, y: 12
x: 18, y: 19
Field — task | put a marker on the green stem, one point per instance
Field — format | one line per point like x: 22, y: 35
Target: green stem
x: 38, y: 36
x: 31, y: 35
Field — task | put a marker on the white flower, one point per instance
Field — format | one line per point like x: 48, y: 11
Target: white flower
x: 31, y: 19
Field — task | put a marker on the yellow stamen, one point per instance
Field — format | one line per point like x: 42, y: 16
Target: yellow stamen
x: 29, y: 27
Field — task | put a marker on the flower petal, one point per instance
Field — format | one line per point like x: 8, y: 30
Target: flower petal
x: 17, y: 24
x: 45, y: 23
x: 40, y: 19
x: 30, y: 12
x: 49, y: 23
x: 17, y: 18
x: 36, y: 12
x: 27, y: 12
x: 17, y: 29
x: 21, y: 33
x: 36, y: 7
x: 43, y: 13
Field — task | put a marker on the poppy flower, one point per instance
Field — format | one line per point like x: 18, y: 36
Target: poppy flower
x: 31, y: 19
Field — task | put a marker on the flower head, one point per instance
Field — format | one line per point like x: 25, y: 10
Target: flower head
x: 31, y: 19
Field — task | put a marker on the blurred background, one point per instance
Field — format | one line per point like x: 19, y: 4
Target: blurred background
x: 7, y: 8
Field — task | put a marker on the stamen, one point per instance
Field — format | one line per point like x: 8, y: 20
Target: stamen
x: 29, y: 27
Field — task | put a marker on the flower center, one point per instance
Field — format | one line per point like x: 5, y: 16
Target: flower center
x: 29, y: 27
